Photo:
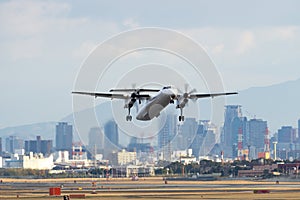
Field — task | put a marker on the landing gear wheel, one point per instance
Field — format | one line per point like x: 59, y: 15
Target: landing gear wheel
x: 128, y: 118
x: 181, y: 118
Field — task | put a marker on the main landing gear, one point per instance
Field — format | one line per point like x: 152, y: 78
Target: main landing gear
x: 128, y: 118
x: 129, y: 106
x: 181, y: 117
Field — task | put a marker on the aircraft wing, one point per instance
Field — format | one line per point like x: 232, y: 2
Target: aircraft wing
x: 105, y: 95
x: 196, y: 96
x: 112, y: 95
x: 135, y: 90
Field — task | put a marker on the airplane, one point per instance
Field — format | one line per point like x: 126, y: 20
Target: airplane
x: 155, y: 104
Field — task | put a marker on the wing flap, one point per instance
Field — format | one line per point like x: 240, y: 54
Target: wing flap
x: 134, y: 90
x: 113, y: 95
x: 196, y: 96
x: 107, y: 95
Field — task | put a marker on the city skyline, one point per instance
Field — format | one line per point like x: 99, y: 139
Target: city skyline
x: 239, y: 138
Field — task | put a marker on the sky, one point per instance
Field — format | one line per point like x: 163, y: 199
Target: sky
x: 43, y: 44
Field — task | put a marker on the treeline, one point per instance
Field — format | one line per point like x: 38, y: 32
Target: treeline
x: 19, y: 172
x: 209, y: 167
x: 33, y: 173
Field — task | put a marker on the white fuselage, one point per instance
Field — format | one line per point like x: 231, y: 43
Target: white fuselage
x: 156, y: 104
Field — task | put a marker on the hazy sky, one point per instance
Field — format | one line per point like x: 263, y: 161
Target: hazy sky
x: 43, y: 43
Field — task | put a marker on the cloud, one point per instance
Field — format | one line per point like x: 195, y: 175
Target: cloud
x: 30, y: 27
x: 288, y: 32
x: 29, y: 18
x: 26, y: 49
x: 85, y: 48
x: 270, y: 51
x: 130, y: 23
x: 246, y: 42
x: 218, y: 49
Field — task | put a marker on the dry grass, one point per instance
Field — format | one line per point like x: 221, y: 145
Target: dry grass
x: 154, y: 188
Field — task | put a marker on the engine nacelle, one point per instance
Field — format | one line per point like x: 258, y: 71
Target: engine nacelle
x: 182, y: 104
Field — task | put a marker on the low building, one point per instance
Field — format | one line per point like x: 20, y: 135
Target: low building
x: 37, y: 161
x: 187, y: 159
x: 257, y: 170
x: 133, y: 171
x: 62, y: 159
x: 123, y: 158
x: 31, y: 161
x: 289, y: 168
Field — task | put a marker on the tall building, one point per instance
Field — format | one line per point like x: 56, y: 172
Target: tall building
x: 96, y: 140
x: 64, y: 137
x: 228, y: 137
x: 198, y: 140
x: 240, y: 136
x: 256, y: 130
x: 111, y: 132
x: 209, y: 139
x: 286, y: 146
x: 205, y: 138
x: 13, y: 143
x: 39, y: 146
x: 187, y: 133
x: 46, y: 146
x: 286, y: 134
x: 166, y: 136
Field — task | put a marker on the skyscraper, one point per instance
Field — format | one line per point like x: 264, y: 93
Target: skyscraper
x: 205, y: 138
x: 187, y: 133
x: 198, y: 140
x: 240, y: 136
x: 111, y: 132
x: 38, y: 146
x: 166, y: 135
x: 96, y: 140
x: 64, y: 137
x: 228, y: 138
x: 257, y: 129
x: 285, y: 134
x: 12, y: 143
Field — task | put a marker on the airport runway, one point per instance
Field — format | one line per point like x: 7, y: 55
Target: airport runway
x: 148, y: 189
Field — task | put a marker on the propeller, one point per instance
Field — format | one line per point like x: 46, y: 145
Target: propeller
x: 185, y: 96
x: 133, y: 97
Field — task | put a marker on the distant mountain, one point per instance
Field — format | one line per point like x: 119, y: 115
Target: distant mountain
x: 278, y: 104
x: 46, y: 130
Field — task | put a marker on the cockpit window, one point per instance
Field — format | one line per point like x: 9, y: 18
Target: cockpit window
x: 167, y: 87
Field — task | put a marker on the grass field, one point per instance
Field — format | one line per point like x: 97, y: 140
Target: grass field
x: 148, y: 188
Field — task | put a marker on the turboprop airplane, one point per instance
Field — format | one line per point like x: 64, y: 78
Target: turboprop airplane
x: 154, y: 104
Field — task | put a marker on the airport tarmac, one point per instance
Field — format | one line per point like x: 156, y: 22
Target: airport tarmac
x: 148, y: 188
